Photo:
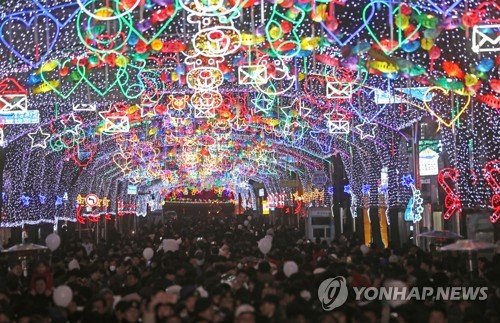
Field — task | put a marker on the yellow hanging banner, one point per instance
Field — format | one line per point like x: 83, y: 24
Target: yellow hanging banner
x: 368, y: 227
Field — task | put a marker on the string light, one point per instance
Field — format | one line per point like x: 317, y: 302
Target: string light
x: 313, y: 101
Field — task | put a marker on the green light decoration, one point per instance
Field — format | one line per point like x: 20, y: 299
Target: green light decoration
x: 117, y: 41
x: 121, y: 72
x: 399, y: 17
x: 73, y: 78
x: 274, y: 31
x: 164, y: 24
x: 134, y: 90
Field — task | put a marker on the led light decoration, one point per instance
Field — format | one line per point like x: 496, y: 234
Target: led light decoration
x: 414, y: 208
x: 220, y: 92
x: 492, y: 169
x: 367, y: 130
x: 39, y: 138
x: 452, y: 200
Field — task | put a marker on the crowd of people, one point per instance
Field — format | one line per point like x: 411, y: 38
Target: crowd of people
x: 213, y: 270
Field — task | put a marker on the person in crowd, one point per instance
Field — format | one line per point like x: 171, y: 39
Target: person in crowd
x: 208, y: 269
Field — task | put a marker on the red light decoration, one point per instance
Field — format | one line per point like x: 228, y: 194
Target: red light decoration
x: 452, y: 200
x: 490, y: 171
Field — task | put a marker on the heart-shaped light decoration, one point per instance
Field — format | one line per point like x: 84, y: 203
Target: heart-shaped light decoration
x: 353, y: 34
x: 400, y: 40
x: 59, y: 90
x: 38, y: 59
x: 439, y: 118
x: 119, y: 73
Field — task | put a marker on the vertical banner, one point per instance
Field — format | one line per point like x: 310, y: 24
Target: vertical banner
x: 383, y: 226
x: 367, y: 225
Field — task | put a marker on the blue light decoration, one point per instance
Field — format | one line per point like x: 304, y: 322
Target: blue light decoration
x: 414, y: 207
x: 407, y: 180
x: 347, y: 189
x: 41, y: 199
x: 365, y: 189
x: 308, y: 136
x: 4, y: 197
x: 25, y: 200
x: 409, y: 214
x: 330, y: 190
x: 383, y: 189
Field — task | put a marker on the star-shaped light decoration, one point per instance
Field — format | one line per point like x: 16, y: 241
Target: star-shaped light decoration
x: 295, y: 110
x: 39, y: 138
x: 72, y: 122
x: 365, y: 188
x: 59, y: 200
x: 347, y: 189
x: 42, y: 198
x: 263, y: 103
x: 367, y: 130
x: 147, y: 109
x: 25, y: 199
x: 407, y: 180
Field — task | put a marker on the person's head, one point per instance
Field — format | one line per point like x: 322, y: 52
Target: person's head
x: 245, y: 314
x: 40, y: 285
x: 438, y: 315
x: 162, y: 311
x: 132, y: 278
x: 41, y: 268
x: 107, y: 295
x: 204, y: 309
x: 4, y: 318
x: 121, y: 269
x: 173, y: 319
x: 225, y: 251
x: 131, y: 312
x: 17, y: 269
x: 242, y: 277
x: 426, y: 265
x: 98, y: 305
x: 136, y: 261
x: 269, y: 306
x: 227, y: 301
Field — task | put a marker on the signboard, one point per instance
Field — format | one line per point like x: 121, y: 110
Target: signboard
x: 418, y: 93
x: 428, y: 162
x: 265, y: 208
x: 20, y: 117
x: 91, y: 200
x: 319, y: 178
x: 429, y: 157
x: 432, y: 144
x: 384, y: 97
x: 132, y: 189
x: 319, y: 212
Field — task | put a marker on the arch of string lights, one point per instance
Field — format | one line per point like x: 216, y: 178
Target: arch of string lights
x: 165, y: 94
